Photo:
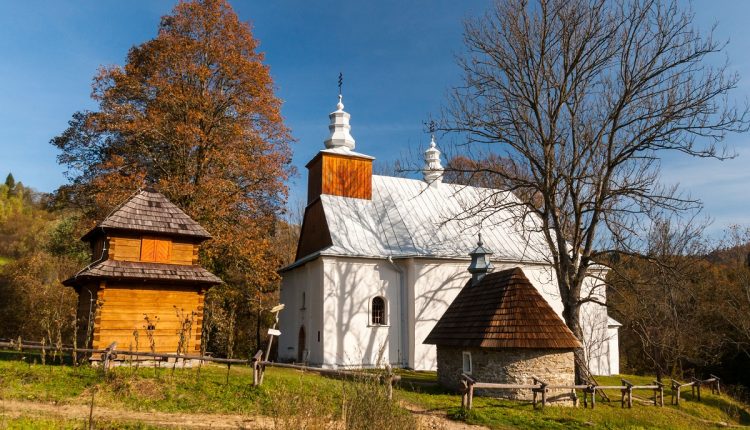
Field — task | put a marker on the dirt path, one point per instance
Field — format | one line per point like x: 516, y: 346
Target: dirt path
x: 428, y: 419
x: 15, y: 409
x: 436, y: 419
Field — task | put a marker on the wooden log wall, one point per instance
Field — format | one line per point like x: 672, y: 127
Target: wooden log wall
x: 152, y: 250
x: 125, y: 308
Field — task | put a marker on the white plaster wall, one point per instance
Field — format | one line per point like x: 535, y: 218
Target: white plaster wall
x: 593, y: 316
x: 614, y: 350
x: 350, y: 339
x: 307, y: 279
x: 339, y: 291
x: 435, y: 283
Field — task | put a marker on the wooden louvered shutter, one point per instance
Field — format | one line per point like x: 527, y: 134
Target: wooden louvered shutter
x: 156, y: 250
x: 163, y: 251
x: 148, y: 249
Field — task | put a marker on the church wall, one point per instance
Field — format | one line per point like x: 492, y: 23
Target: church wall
x: 435, y: 284
x: 339, y: 291
x: 351, y: 340
x: 302, y: 294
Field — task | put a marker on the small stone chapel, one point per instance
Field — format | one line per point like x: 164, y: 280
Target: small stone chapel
x: 144, y: 284
x: 499, y: 329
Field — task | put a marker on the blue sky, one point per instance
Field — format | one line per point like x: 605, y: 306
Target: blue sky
x: 398, y: 59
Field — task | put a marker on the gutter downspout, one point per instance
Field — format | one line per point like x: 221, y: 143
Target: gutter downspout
x: 403, y: 330
x: 103, y: 257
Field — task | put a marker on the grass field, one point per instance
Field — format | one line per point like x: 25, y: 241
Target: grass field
x: 713, y: 411
x: 308, y: 397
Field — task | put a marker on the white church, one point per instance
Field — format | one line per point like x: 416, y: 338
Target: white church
x: 381, y: 258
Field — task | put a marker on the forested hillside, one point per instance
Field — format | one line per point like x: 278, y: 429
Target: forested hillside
x: 685, y: 304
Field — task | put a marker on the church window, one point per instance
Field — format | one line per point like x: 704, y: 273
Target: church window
x: 378, y: 311
x: 466, y: 362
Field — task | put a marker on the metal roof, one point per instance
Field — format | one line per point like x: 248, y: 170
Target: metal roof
x: 408, y: 217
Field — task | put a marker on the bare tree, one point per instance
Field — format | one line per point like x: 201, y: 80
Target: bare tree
x: 580, y: 98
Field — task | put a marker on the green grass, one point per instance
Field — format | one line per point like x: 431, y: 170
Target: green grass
x: 4, y: 260
x: 28, y: 423
x: 711, y: 412
x: 288, y: 392
x: 150, y: 389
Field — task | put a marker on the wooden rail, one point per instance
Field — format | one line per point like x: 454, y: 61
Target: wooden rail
x: 114, y: 353
x: 540, y: 388
x: 388, y: 379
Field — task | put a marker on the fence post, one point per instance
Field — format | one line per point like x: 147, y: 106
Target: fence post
x: 471, y: 394
x: 256, y: 367
x: 593, y: 396
x: 108, y: 355
x: 697, y: 386
x: 542, y: 389
x: 464, y: 393
x: 718, y: 387
x: 659, y: 394
x: 628, y: 391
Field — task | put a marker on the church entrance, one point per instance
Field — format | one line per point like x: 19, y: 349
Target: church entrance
x: 301, y: 345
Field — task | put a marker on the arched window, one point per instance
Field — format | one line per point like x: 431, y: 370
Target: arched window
x: 378, y: 311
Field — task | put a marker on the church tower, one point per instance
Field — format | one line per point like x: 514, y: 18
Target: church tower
x: 337, y: 171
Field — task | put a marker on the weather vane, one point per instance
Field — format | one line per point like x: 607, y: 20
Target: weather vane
x: 341, y: 81
x: 431, y: 126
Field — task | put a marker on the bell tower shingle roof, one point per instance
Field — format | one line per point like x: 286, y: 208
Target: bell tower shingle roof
x: 150, y: 212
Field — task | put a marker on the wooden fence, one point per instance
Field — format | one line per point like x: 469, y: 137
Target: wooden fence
x: 540, y: 389
x: 389, y: 379
x: 111, y: 353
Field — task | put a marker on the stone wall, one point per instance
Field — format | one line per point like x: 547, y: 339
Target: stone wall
x: 509, y: 366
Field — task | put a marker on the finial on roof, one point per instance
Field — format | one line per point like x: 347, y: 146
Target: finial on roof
x: 480, y: 262
x: 432, y: 170
x: 340, y: 129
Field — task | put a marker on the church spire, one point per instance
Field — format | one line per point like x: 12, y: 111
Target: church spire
x: 432, y: 170
x: 339, y: 126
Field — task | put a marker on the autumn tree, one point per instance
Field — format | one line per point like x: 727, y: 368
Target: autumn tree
x: 193, y: 114
x: 580, y: 98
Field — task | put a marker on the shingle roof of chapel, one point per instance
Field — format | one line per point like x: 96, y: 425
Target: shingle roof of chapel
x: 503, y: 310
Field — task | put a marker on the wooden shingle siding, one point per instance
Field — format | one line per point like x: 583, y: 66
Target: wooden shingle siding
x: 314, y: 235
